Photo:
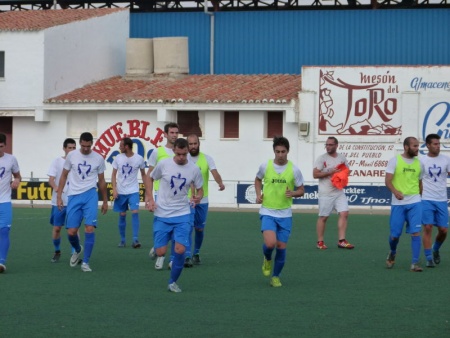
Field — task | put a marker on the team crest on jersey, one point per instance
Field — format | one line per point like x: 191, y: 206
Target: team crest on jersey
x: 127, y: 170
x: 177, y: 183
x: 434, y: 172
x: 84, y: 169
x: 2, y: 172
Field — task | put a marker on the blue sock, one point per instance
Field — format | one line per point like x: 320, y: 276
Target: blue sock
x: 56, y: 244
x: 280, y: 258
x: 437, y: 246
x: 198, y: 241
x: 415, y: 247
x: 4, y: 244
x: 177, y: 267
x: 393, y: 244
x: 172, y: 251
x: 267, y: 252
x: 187, y: 252
x: 75, y: 242
x: 89, y: 240
x: 428, y: 254
x: 135, y: 226
x: 122, y: 227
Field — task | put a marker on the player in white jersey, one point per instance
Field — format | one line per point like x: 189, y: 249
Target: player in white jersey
x: 172, y: 208
x: 126, y: 167
x: 435, y: 168
x: 8, y: 168
x: 58, y: 217
x: 86, y: 167
x: 330, y: 197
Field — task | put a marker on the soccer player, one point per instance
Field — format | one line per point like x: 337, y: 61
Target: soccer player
x: 330, y: 197
x: 200, y: 212
x: 282, y: 182
x: 86, y: 167
x: 171, y: 134
x: 404, y: 180
x: 126, y: 188
x: 58, y: 217
x: 435, y: 168
x: 8, y: 168
x: 172, y: 208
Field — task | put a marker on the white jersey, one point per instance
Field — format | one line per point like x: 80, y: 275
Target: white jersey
x: 434, y: 181
x: 84, y: 170
x: 8, y: 167
x: 175, y: 182
x: 55, y: 170
x: 407, y: 199
x: 127, y: 173
x: 153, y: 159
x: 299, y: 181
x: 326, y: 163
x: 211, y: 166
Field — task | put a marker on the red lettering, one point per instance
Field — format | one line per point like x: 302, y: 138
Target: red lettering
x: 158, y: 138
x: 116, y: 128
x: 133, y: 126
x: 100, y: 148
x: 145, y: 124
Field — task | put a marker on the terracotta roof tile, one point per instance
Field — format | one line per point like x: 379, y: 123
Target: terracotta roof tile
x: 39, y: 20
x: 188, y: 89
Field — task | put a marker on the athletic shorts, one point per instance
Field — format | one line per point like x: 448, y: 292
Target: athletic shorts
x: 201, y: 212
x: 434, y: 212
x: 411, y: 214
x: 165, y: 229
x: 126, y: 202
x: 281, y: 226
x: 84, y: 205
x: 5, y: 215
x: 58, y: 217
x: 329, y: 203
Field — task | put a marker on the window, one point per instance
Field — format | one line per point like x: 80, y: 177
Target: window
x: 274, y: 124
x: 188, y: 121
x: 2, y: 64
x: 6, y: 128
x: 231, y: 124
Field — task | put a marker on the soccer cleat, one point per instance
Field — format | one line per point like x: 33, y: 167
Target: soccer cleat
x: 136, y: 245
x: 188, y: 262
x: 173, y: 287
x: 266, y: 267
x: 275, y: 282
x: 85, y: 267
x: 321, y: 245
x: 152, y: 253
x: 56, y: 257
x: 2, y: 268
x: 169, y: 266
x: 159, y: 263
x: 430, y: 264
x: 390, y: 260
x: 75, y: 258
x: 415, y: 268
x: 196, y: 259
x: 436, y: 257
x: 345, y: 245
x: 121, y: 244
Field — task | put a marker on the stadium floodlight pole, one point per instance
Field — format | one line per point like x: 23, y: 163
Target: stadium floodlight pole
x: 211, y: 37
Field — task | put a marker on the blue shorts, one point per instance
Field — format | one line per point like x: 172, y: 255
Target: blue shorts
x: 164, y: 229
x: 201, y: 212
x: 5, y: 215
x: 58, y: 217
x: 410, y: 213
x: 434, y: 212
x: 84, y: 205
x: 126, y: 202
x: 281, y: 226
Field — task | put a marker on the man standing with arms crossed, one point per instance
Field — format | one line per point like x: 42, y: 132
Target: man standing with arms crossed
x: 404, y: 180
x: 8, y: 168
x: 85, y: 167
x: 206, y: 164
x: 58, y: 217
x: 330, y: 197
x: 435, y: 168
x: 126, y: 188
x: 172, y: 207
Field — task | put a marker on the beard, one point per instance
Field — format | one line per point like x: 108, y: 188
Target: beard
x: 194, y: 152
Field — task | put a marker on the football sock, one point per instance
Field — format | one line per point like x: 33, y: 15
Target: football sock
x: 415, y: 247
x: 177, y: 267
x: 198, y: 241
x: 56, y: 244
x: 122, y: 226
x: 437, y: 246
x: 267, y: 252
x: 280, y: 258
x: 89, y: 240
x: 187, y: 252
x: 75, y: 242
x: 172, y: 251
x: 393, y: 244
x: 428, y: 254
x: 135, y: 225
x: 4, y: 244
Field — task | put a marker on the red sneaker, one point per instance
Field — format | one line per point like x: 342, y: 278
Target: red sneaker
x: 321, y: 245
x: 345, y: 245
